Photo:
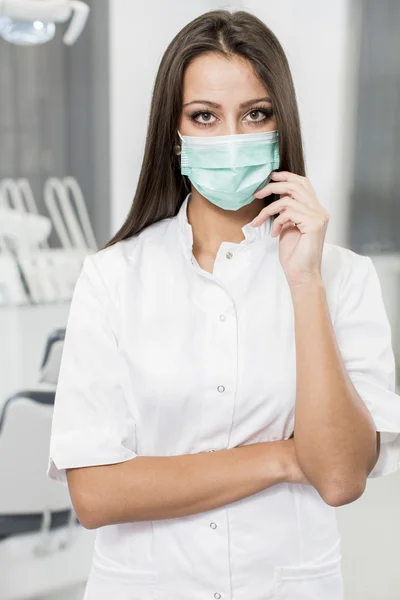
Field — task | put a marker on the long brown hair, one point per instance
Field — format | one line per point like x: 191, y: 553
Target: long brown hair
x: 161, y: 187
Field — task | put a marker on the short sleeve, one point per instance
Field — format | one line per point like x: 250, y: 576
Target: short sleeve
x: 92, y: 423
x: 364, y: 336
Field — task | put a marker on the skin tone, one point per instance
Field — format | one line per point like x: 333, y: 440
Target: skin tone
x: 228, y: 83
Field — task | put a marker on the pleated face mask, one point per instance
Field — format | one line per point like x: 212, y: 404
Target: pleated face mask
x: 228, y: 169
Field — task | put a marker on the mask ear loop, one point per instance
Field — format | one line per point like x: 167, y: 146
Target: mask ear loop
x: 178, y: 146
x: 178, y: 152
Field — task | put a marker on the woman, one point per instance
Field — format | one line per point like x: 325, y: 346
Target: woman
x: 224, y: 381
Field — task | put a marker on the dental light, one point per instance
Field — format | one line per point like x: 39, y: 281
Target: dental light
x: 30, y: 22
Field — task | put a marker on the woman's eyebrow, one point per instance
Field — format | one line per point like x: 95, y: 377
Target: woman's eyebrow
x: 242, y: 105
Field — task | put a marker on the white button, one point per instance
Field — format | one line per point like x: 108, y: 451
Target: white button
x: 213, y: 525
x: 216, y: 595
x: 229, y: 255
x: 221, y: 388
x: 222, y: 317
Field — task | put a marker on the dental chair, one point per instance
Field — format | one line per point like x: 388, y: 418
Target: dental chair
x: 43, y: 548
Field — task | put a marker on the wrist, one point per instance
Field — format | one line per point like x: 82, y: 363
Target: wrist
x: 314, y: 283
x: 284, y: 461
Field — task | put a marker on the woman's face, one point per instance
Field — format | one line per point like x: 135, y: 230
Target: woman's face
x: 224, y: 97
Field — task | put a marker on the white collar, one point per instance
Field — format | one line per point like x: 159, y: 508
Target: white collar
x: 251, y: 234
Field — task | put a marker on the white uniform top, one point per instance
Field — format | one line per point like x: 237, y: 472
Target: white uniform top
x: 164, y: 358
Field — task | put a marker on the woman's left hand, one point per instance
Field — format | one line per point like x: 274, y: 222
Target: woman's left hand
x: 301, y: 225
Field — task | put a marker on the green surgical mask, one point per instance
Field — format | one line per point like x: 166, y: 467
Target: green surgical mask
x: 228, y: 169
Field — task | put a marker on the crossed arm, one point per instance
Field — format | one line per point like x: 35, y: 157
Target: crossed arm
x: 334, y: 445
x: 336, y: 442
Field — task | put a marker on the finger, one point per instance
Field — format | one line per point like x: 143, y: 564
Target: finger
x: 288, y: 217
x: 269, y: 210
x: 288, y: 176
x: 281, y: 205
x: 304, y: 222
x: 290, y: 188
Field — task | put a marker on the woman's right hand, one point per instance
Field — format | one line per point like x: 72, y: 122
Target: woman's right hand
x: 292, y: 470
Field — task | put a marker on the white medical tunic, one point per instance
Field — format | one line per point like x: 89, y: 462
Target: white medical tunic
x: 163, y: 358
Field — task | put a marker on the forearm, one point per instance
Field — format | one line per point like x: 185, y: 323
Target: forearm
x: 335, y: 437
x: 162, y: 487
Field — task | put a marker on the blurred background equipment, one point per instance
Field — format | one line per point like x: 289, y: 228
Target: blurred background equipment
x: 31, y: 22
x: 12, y: 289
x: 47, y: 274
x: 53, y: 124
x: 43, y: 547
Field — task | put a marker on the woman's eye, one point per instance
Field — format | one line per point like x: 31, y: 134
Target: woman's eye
x: 253, y: 114
x: 206, y: 118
